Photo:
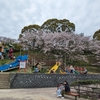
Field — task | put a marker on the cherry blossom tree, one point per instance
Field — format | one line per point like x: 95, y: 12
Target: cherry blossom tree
x: 32, y: 41
x: 64, y: 45
x: 72, y: 46
x: 7, y: 40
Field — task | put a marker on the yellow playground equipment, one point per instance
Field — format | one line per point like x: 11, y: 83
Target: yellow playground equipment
x: 61, y: 72
x: 54, y: 68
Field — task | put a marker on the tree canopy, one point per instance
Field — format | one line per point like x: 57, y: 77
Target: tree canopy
x: 74, y: 46
x: 50, y: 26
x: 97, y: 35
x: 55, y: 25
x: 6, y: 40
x: 57, y: 37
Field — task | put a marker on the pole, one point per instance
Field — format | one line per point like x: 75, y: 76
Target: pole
x: 20, y: 51
x: 65, y: 61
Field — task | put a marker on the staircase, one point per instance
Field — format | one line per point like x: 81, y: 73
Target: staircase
x: 4, y: 80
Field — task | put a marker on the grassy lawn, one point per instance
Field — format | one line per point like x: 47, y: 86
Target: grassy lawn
x: 5, y: 61
x: 93, y: 69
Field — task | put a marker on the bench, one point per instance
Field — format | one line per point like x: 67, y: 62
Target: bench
x: 73, y: 94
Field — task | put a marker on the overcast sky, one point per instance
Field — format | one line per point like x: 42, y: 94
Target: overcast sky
x: 15, y: 14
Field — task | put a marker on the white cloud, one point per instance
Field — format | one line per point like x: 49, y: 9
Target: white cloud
x: 15, y: 14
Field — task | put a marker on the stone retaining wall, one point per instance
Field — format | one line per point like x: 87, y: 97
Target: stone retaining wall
x: 21, y: 80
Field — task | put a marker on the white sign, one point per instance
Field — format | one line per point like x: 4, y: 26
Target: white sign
x: 22, y: 64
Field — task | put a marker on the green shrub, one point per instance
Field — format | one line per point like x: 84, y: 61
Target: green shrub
x: 5, y: 61
x: 86, y: 82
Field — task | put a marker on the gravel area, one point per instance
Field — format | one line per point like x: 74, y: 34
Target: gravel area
x: 32, y: 94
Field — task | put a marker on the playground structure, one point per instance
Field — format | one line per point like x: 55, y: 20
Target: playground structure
x: 11, y: 53
x: 76, y: 70
x: 14, y: 64
x: 39, y: 65
x: 54, y: 68
x: 6, y: 51
x: 1, y: 50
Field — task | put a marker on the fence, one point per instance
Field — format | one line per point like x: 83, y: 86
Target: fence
x: 22, y: 80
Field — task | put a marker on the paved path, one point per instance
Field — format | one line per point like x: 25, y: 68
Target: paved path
x: 32, y: 94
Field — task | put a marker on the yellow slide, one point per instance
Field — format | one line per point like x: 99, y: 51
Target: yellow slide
x: 61, y: 72
x: 54, y: 68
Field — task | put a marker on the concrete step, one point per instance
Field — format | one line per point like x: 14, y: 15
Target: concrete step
x: 4, y: 81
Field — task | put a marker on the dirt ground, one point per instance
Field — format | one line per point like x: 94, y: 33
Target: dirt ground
x: 32, y: 94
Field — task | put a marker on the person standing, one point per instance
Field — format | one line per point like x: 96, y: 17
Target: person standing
x: 0, y: 55
x: 72, y: 69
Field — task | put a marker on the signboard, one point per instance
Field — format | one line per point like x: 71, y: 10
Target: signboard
x: 22, y: 64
